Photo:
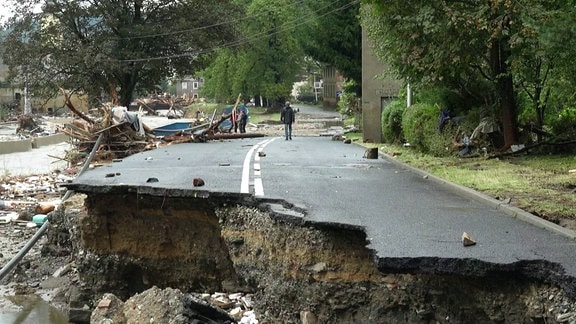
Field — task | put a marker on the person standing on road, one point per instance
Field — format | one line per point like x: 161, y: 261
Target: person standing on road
x: 287, y: 117
x: 243, y: 119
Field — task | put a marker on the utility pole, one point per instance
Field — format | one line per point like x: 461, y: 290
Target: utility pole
x: 27, y: 104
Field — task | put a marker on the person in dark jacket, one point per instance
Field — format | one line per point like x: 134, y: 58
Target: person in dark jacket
x: 243, y: 119
x: 287, y: 117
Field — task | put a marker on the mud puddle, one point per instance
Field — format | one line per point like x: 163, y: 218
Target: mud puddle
x: 31, y: 309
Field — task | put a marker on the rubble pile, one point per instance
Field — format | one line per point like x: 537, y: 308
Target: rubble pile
x: 175, y: 306
x: 24, y: 205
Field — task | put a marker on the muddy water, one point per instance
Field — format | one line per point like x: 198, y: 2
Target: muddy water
x: 31, y: 310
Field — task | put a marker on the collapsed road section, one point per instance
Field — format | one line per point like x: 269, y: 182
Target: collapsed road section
x: 127, y: 239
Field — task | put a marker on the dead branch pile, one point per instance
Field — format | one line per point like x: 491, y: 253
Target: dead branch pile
x: 174, y: 106
x: 119, y: 139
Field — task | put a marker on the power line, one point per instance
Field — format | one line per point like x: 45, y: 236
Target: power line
x: 301, y: 2
x: 290, y: 25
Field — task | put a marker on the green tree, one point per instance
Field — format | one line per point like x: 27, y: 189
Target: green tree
x: 115, y: 47
x: 334, y: 37
x: 557, y: 35
x: 268, y: 57
x: 457, y: 43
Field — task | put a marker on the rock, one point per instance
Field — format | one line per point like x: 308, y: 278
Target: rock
x: 146, y: 308
x: 318, y: 267
x: 467, y: 240
x: 337, y: 137
x: 371, y: 153
x: 198, y: 182
x: 44, y: 208
x: 79, y: 315
x: 62, y: 270
x: 110, y: 309
x: 307, y: 317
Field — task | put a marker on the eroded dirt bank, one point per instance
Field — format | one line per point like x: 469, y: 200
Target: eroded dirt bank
x: 312, y: 274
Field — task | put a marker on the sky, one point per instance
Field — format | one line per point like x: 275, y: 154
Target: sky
x: 6, y: 8
x: 4, y: 13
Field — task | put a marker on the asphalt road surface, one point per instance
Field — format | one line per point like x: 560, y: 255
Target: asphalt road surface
x: 411, y: 222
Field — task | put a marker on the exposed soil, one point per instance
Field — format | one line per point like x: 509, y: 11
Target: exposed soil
x: 292, y: 272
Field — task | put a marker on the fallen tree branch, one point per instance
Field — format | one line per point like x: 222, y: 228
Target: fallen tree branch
x: 70, y: 106
x: 530, y: 147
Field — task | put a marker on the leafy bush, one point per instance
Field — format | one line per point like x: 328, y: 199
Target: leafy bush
x: 392, y: 122
x: 565, y: 123
x: 348, y: 101
x: 445, y: 98
x: 420, y: 129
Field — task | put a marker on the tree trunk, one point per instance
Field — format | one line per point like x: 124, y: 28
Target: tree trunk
x: 509, y: 111
x: 499, y: 55
x: 127, y: 89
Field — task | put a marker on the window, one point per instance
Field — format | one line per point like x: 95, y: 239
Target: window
x: 195, y: 85
x: 184, y: 85
x: 195, y: 96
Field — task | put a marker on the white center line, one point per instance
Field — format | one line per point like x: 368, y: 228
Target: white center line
x: 245, y: 184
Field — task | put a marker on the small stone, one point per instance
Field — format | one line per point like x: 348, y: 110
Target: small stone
x: 104, y: 303
x: 307, y: 317
x: 198, y: 182
x: 235, y: 296
x: 467, y: 240
x: 319, y: 267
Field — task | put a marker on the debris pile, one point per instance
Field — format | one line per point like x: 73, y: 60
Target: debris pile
x: 24, y: 205
x: 123, y: 134
x: 164, y: 105
x: 176, y: 307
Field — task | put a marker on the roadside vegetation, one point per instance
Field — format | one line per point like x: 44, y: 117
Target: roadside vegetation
x: 493, y: 96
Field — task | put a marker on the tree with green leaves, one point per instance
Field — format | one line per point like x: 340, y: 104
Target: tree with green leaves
x: 267, y: 60
x: 119, y: 48
x: 466, y: 45
x: 334, y: 38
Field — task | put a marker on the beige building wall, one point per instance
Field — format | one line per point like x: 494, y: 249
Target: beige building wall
x: 377, y: 92
x: 7, y: 93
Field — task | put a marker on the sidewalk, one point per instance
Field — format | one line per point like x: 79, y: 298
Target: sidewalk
x: 36, y: 161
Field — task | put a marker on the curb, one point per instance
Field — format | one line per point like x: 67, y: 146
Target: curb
x: 28, y: 144
x: 494, y: 203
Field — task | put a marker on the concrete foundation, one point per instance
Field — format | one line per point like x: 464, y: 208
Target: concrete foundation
x: 15, y: 146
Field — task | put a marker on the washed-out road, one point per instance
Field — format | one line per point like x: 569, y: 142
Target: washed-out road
x: 413, y: 223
